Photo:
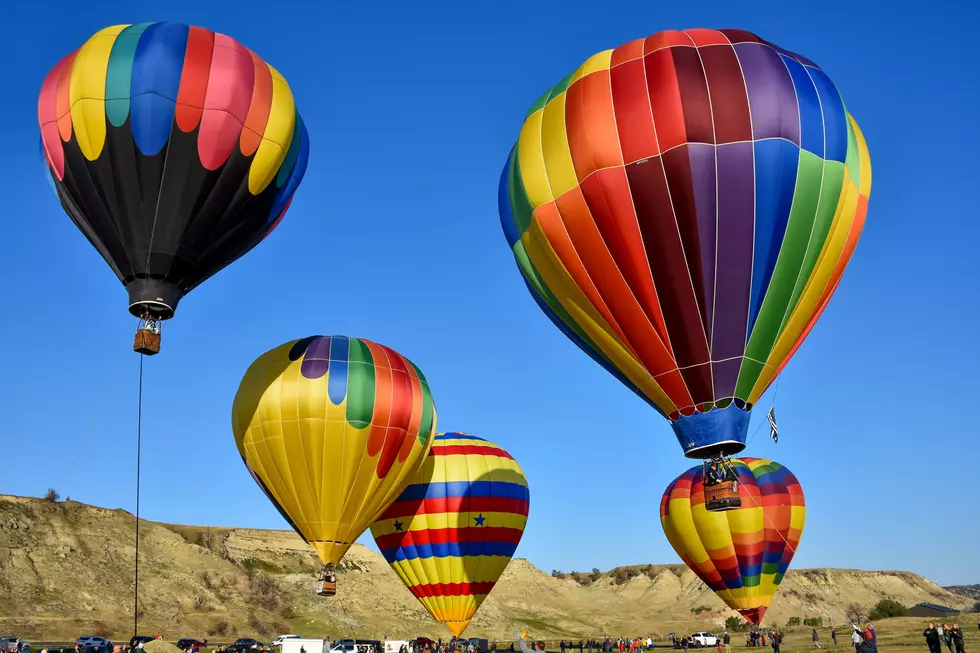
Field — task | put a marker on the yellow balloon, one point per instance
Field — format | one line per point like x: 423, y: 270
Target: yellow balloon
x: 333, y: 429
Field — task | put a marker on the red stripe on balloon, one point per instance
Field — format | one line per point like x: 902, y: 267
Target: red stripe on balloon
x: 451, y: 589
x: 465, y: 450
x: 227, y: 100
x: 258, y: 110
x: 194, y: 78
x: 449, y: 536
x: 47, y: 116
x: 63, y: 98
x: 436, y: 506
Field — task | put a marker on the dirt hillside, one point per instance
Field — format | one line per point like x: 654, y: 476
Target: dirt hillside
x: 67, y: 569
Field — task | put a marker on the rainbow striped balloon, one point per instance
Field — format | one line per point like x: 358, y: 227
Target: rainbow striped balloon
x: 682, y: 207
x: 451, y: 533
x: 174, y: 149
x: 741, y: 554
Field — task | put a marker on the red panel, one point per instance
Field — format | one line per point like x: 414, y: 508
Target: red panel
x: 226, y: 102
x: 415, y: 421
x: 451, y: 589
x: 634, y: 120
x: 467, y: 449
x: 665, y: 98
x: 401, y: 411
x: 666, y: 39
x: 440, y: 505
x: 383, y: 395
x: 729, y: 99
x: 626, y: 52
x: 63, y: 98
x: 701, y: 37
x: 694, y: 95
x: 194, y: 78
x: 591, y: 125
x: 611, y: 285
x: 258, y: 110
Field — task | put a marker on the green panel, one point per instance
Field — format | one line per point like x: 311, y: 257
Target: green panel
x: 520, y: 205
x: 428, y: 406
x: 119, y: 73
x: 791, y: 255
x: 771, y: 568
x: 751, y: 581
x: 557, y: 89
x: 360, y: 384
x: 777, y: 579
x: 833, y: 180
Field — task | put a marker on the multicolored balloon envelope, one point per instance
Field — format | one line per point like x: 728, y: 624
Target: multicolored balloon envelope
x: 451, y: 533
x: 683, y: 207
x: 332, y: 429
x: 174, y: 149
x: 740, y: 554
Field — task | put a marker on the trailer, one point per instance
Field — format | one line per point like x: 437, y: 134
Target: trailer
x: 304, y: 645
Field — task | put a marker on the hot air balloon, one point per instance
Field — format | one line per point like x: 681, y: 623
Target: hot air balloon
x: 740, y: 554
x: 683, y: 208
x: 451, y: 533
x: 175, y: 150
x: 332, y: 429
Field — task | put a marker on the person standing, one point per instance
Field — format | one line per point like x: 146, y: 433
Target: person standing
x: 833, y: 636
x: 816, y: 638
x: 775, y: 638
x: 957, y: 635
x: 727, y: 641
x: 932, y: 638
x: 948, y: 638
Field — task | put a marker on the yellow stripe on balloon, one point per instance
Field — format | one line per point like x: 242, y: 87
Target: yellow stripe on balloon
x: 530, y: 153
x: 475, y: 569
x: 277, y: 136
x: 865, y: 158
x: 86, y: 91
x: 580, y: 309
x: 595, y: 63
x: 554, y: 146
x: 440, y: 520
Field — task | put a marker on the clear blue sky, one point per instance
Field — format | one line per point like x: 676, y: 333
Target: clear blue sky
x: 394, y: 236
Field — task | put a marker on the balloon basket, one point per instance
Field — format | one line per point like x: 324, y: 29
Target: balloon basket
x: 146, y: 343
x: 721, y: 497
x: 327, y: 583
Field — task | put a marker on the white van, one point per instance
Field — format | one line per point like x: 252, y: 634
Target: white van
x: 302, y: 645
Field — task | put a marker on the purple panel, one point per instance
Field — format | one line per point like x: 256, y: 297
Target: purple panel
x: 772, y: 96
x: 736, y: 222
x: 317, y: 358
x: 703, y: 180
x: 725, y: 375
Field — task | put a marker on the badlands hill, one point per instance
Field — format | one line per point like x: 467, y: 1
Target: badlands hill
x: 67, y: 568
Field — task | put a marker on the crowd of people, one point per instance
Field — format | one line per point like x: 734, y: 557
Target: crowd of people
x: 936, y: 636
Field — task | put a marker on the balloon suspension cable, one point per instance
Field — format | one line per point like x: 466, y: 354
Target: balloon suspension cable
x: 139, y: 452
x: 350, y: 624
x: 793, y: 549
x: 94, y: 423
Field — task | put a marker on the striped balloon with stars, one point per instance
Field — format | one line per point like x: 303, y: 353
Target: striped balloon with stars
x: 452, y: 531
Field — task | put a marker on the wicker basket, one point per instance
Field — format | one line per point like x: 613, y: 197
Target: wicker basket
x: 723, y: 496
x: 147, y: 343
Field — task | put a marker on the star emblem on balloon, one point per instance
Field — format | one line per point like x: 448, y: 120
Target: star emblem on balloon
x: 398, y: 526
x: 479, y: 520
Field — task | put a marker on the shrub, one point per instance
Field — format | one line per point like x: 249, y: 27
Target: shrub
x: 556, y: 574
x: 202, y: 604
x: 735, y: 624
x: 854, y: 613
x: 256, y: 624
x: 263, y: 592
x: 595, y: 570
x: 793, y: 621
x: 100, y: 629
x: 699, y: 609
x: 814, y: 622
x: 52, y: 496
x: 887, y: 608
x: 976, y: 606
x: 219, y: 628
x: 207, y: 579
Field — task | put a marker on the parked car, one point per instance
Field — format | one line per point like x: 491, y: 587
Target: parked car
x: 278, y: 640
x: 12, y: 642
x: 703, y: 640
x: 188, y: 642
x: 93, y: 640
x: 139, y: 639
x: 248, y: 642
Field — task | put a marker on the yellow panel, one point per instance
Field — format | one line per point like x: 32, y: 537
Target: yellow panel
x: 595, y: 63
x: 531, y: 157
x: 276, y: 138
x: 554, y: 144
x: 86, y: 91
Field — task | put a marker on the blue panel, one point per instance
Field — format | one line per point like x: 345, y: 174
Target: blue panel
x: 834, y: 116
x: 449, y: 549
x: 451, y: 489
x: 293, y: 166
x: 157, y: 67
x: 721, y: 425
x: 811, y: 117
x: 337, y: 374
x: 458, y: 436
x: 776, y: 163
x: 503, y: 203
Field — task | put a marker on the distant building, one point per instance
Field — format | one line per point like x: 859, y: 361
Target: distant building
x: 931, y: 610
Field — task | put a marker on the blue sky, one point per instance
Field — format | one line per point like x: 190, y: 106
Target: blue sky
x: 394, y: 236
